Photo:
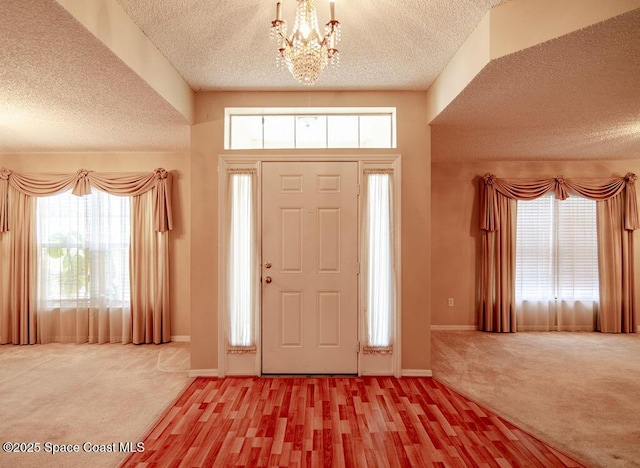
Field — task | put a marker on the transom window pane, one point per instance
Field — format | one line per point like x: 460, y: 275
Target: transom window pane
x: 343, y: 131
x: 311, y: 131
x: 246, y: 131
x: 276, y: 128
x: 375, y: 131
x: 279, y: 131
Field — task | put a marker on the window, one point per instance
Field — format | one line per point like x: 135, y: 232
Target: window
x: 83, y: 250
x: 556, y: 249
x: 309, y: 128
x: 556, y: 260
x: 378, y: 256
x: 243, y: 258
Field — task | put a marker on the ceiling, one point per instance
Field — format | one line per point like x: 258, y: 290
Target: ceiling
x: 62, y: 89
x: 574, y: 97
x: 228, y: 47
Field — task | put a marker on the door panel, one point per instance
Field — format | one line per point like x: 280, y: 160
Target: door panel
x: 309, y: 236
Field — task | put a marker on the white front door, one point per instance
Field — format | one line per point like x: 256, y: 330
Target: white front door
x: 309, y: 270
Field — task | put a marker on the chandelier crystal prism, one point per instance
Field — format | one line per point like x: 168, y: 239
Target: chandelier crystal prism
x: 306, y: 51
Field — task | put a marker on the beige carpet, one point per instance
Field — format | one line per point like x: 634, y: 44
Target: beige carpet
x: 578, y: 392
x: 72, y: 394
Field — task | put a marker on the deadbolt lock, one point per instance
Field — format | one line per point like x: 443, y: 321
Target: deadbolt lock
x: 267, y: 265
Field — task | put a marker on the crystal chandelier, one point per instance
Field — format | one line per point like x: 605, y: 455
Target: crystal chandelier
x: 305, y: 51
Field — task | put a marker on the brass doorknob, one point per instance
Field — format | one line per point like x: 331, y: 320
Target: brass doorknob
x: 267, y: 279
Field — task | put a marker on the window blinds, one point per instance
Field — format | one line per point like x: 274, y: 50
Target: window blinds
x: 577, y: 249
x: 556, y: 250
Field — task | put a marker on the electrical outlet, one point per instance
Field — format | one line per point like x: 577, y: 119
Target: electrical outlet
x: 450, y: 302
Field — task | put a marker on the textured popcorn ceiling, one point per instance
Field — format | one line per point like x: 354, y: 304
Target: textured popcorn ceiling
x: 224, y: 44
x: 577, y: 96
x: 61, y: 89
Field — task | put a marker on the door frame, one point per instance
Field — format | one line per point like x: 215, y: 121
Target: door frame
x: 251, y: 363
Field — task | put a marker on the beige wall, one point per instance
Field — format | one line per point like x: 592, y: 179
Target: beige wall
x: 414, y: 146
x: 455, y: 218
x: 178, y: 164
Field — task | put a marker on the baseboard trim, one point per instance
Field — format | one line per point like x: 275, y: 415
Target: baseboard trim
x: 416, y: 373
x: 204, y: 373
x: 454, y: 327
x: 181, y: 339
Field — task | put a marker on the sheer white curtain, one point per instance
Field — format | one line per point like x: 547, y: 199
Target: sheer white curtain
x: 242, y: 288
x: 556, y: 264
x: 83, y: 286
x: 378, y: 262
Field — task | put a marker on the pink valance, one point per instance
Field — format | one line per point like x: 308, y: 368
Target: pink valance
x: 124, y: 184
x: 529, y: 189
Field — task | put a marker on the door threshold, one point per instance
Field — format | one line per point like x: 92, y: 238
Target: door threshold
x: 307, y: 376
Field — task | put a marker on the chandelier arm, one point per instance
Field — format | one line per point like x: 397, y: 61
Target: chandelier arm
x: 286, y: 40
x: 333, y: 24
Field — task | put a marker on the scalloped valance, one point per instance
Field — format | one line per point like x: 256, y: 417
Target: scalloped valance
x: 123, y: 184
x: 529, y: 189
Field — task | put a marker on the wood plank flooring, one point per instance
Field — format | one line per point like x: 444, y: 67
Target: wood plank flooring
x: 335, y: 422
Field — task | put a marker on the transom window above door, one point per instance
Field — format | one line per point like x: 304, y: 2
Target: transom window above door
x: 310, y: 127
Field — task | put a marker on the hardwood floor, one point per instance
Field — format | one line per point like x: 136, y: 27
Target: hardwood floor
x: 335, y: 421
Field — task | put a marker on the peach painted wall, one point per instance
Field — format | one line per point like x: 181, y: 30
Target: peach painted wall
x: 455, y: 219
x: 413, y: 144
x: 179, y: 247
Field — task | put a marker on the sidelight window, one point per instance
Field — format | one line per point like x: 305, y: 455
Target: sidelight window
x: 378, y: 260
x: 243, y: 258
